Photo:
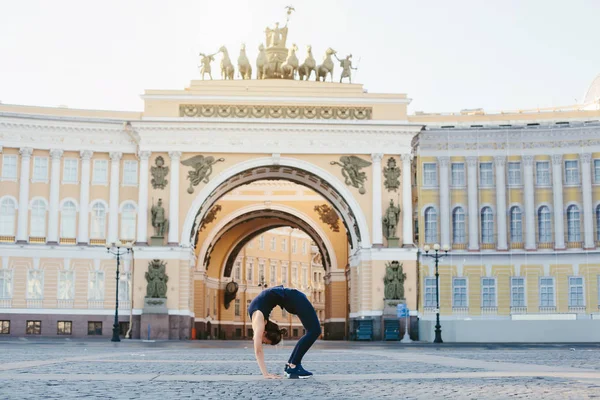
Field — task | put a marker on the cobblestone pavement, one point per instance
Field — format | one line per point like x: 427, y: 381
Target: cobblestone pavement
x: 54, y: 369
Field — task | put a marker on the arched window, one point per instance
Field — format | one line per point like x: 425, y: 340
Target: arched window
x: 516, y: 225
x: 458, y: 226
x: 128, y: 222
x: 98, y: 227
x: 487, y: 225
x: 68, y: 216
x: 573, y: 224
x: 598, y: 223
x: 38, y: 219
x: 7, y: 217
x: 544, y: 225
x: 430, y: 225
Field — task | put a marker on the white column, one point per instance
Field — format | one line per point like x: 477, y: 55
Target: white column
x: 22, y: 231
x: 472, y: 199
x: 113, y: 204
x: 83, y: 236
x: 557, y: 189
x: 376, y: 206
x: 444, y: 200
x: 588, y: 210
x: 500, y: 166
x: 142, y: 219
x: 407, y: 217
x: 528, y: 188
x: 55, y: 156
x: 173, y: 236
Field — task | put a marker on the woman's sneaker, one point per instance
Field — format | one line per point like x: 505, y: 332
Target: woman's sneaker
x: 296, y: 373
x: 300, y: 368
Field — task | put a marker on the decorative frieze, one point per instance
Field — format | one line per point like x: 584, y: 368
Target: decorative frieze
x: 275, y: 112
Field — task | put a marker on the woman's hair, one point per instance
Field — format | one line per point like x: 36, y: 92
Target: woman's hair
x: 273, y: 333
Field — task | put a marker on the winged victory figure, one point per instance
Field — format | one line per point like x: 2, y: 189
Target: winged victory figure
x: 351, y: 166
x: 201, y: 169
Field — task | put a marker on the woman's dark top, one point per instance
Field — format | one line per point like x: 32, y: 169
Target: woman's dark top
x: 270, y: 298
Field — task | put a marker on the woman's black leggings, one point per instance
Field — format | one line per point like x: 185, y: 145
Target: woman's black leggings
x: 306, y: 312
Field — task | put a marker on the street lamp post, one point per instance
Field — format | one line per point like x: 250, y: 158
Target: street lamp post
x: 115, y: 249
x: 437, y: 256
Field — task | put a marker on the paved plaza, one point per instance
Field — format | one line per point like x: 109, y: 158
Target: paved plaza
x: 54, y: 369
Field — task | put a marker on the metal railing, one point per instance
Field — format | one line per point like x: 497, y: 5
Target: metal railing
x: 7, y: 239
x: 517, y: 245
x: 37, y: 239
x: 68, y: 241
x: 545, y: 245
x: 97, y: 242
x: 488, y: 246
x: 459, y: 246
x: 574, y: 245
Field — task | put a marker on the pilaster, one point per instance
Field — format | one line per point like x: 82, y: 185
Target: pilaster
x: 23, y: 215
x: 173, y: 236
x: 55, y: 156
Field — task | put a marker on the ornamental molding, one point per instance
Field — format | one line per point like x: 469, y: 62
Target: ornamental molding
x: 276, y: 112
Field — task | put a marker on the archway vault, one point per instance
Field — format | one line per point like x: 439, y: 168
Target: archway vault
x: 280, y: 168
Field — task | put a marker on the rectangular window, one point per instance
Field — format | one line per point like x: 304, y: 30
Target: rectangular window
x: 294, y: 274
x: 261, y: 271
x: 304, y: 248
x: 100, y: 175
x: 488, y: 292
x: 429, y: 301
x: 305, y: 276
x: 125, y: 286
x: 459, y: 292
x: 96, y: 286
x: 238, y: 270
x: 5, y: 283
x: 273, y: 271
x: 547, y: 292
x: 486, y: 177
x: 273, y: 244
x: 458, y: 174
x: 576, y: 298
x: 35, y: 284
x: 237, y: 307
x: 514, y: 173
x: 284, y: 245
x: 64, y: 327
x: 294, y: 246
x: 596, y: 171
x: 571, y: 172
x: 249, y: 272
x: 284, y: 273
x: 130, y: 173
x: 94, y: 328
x: 517, y: 291
x: 70, y: 170
x: 4, y: 327
x: 9, y: 166
x: 295, y: 332
x: 238, y: 332
x: 542, y: 173
x: 66, y: 285
x: 33, y: 328
x: 429, y: 174
x: 40, y: 169
x: 261, y: 242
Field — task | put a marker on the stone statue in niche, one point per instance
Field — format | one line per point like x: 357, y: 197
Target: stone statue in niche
x: 390, y: 223
x: 157, y: 280
x: 392, y: 175
x: 351, y: 170
x: 159, y: 173
x: 159, y: 221
x: 394, y: 281
x: 201, y: 169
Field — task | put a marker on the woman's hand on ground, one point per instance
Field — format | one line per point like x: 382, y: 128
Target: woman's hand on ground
x: 271, y: 376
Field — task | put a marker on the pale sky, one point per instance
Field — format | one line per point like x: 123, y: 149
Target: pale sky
x: 446, y: 55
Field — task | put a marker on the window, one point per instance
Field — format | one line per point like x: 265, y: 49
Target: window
x: 70, y: 170
x: 100, y: 176
x: 596, y: 171
x: 516, y: 225
x: 488, y: 292
x: 215, y: 306
x: 485, y: 174
x: 459, y: 292
x: 544, y: 225
x: 430, y: 225
x: 573, y: 224
x: 295, y: 332
x: 294, y: 274
x: 238, y: 270
x: 304, y: 247
x: 66, y: 285
x: 487, y: 225
x: 35, y: 284
x: 514, y: 173
x: 517, y: 291
x: 95, y: 328
x: 458, y: 174
x: 598, y: 223
x: 38, y: 219
x: 237, y: 307
x: 458, y: 226
x: 9, y: 167
x: 96, y: 286
x: 6, y: 284
x: 64, y: 327
x: 284, y: 273
x: 576, y: 298
x: 429, y: 301
x: 273, y: 271
x: 304, y: 277
x: 571, y: 172
x: 128, y: 214
x: 68, y: 220
x: 125, y: 286
x: 273, y: 244
x: 130, y: 173
x: 261, y: 242
x: 261, y: 271
x: 429, y: 174
x: 294, y: 246
x: 284, y: 244
x: 547, y: 292
x: 7, y: 217
x: 40, y: 169
x: 33, y: 328
x: 4, y: 327
x: 98, y: 228
x: 542, y: 173
x: 238, y: 332
x: 249, y: 276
